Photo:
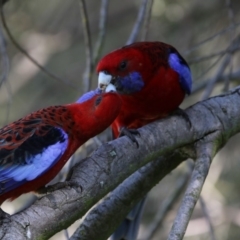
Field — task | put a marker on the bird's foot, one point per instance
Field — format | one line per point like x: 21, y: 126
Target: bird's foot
x: 130, y: 133
x: 183, y: 114
x: 51, y: 188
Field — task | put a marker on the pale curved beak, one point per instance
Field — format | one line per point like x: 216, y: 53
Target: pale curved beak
x: 104, y: 80
x: 110, y: 88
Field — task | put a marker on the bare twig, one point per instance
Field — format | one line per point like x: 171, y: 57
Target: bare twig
x: 211, y: 38
x: 147, y: 20
x: 205, y: 154
x: 220, y: 53
x: 230, y: 13
x: 211, y: 84
x: 231, y: 23
x: 138, y: 24
x: 9, y: 102
x: 202, y: 84
x: 209, y: 68
x: 166, y: 206
x: 234, y: 47
x: 88, y: 46
x: 221, y: 69
x: 102, y: 30
x: 207, y: 217
x: 25, y: 53
x: 5, y: 71
x: 5, y: 59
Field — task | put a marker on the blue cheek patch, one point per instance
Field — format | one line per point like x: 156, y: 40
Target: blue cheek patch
x: 183, y: 70
x: 88, y: 95
x: 133, y: 82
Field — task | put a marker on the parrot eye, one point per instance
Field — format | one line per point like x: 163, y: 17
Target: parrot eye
x: 106, y: 72
x: 123, y: 65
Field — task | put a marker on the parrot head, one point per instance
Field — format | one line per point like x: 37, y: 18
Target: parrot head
x: 124, y: 68
x: 131, y: 68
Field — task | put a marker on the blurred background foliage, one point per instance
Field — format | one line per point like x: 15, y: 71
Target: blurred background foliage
x: 206, y: 33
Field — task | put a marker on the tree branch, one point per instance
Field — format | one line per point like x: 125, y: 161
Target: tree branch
x: 209, y: 88
x: 114, y: 208
x: 208, y: 219
x: 147, y: 20
x: 118, y: 204
x: 88, y: 46
x: 167, y: 205
x: 102, y: 30
x: 205, y: 154
x: 202, y: 84
x: 138, y: 24
x: 4, y: 59
x: 109, y: 165
x: 23, y: 51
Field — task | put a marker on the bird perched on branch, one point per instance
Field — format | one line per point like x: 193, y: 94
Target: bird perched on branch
x: 34, y: 149
x: 152, y: 79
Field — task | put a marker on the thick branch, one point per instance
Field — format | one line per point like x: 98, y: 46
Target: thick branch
x: 118, y: 204
x: 113, y: 162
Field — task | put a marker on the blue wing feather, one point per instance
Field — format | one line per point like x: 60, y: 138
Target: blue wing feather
x: 32, y: 158
x: 178, y: 64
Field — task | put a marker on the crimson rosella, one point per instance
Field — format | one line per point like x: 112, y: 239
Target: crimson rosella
x: 33, y: 149
x: 152, y: 79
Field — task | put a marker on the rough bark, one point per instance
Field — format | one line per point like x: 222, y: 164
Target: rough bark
x: 217, y: 119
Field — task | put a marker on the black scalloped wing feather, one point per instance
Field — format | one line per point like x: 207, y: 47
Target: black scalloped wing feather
x: 22, y: 141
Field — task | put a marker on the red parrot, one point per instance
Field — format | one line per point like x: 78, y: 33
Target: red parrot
x: 152, y: 79
x: 34, y: 149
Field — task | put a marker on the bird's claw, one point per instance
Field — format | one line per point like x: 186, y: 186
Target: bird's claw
x: 184, y: 115
x: 130, y: 133
x: 51, y: 188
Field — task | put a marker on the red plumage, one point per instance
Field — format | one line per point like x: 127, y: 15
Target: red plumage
x: 22, y: 142
x: 162, y: 92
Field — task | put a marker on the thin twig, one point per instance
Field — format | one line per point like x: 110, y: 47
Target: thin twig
x: 25, y: 53
x: 9, y: 102
x: 138, y: 24
x: 5, y: 66
x: 218, y: 34
x: 232, y: 33
x: 102, y: 30
x: 147, y: 20
x: 221, y: 69
x: 167, y: 205
x: 202, y: 84
x: 219, y: 73
x: 205, y: 153
x: 5, y: 59
x: 230, y: 13
x: 88, y: 46
x: 234, y: 47
x: 209, y: 68
x: 207, y: 217
x: 220, y: 53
